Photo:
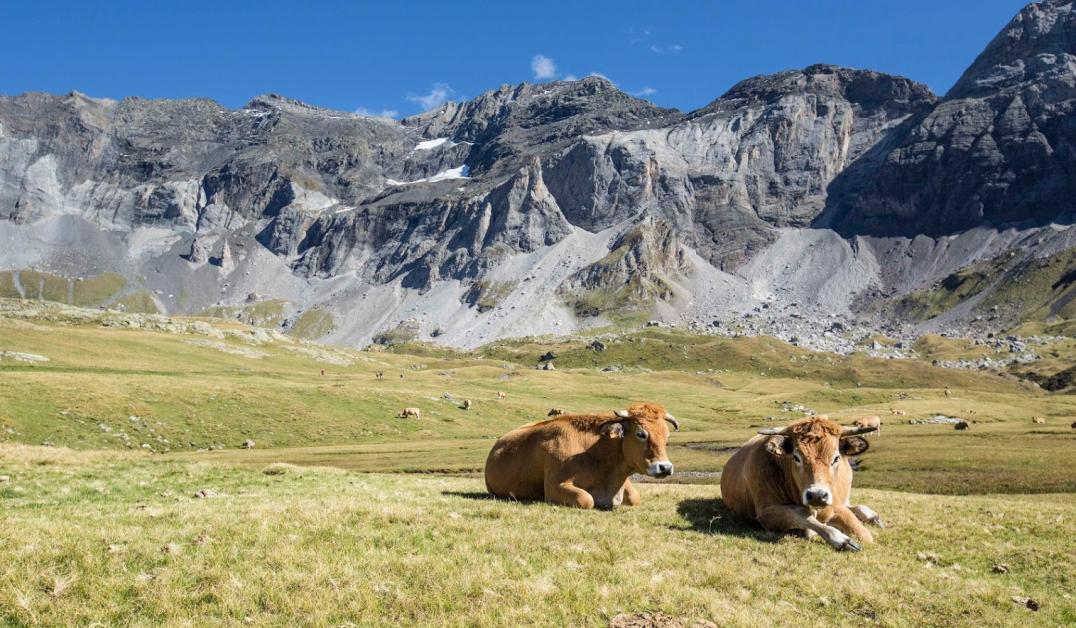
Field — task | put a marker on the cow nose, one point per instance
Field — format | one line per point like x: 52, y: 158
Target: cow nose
x: 817, y: 496
x: 660, y: 469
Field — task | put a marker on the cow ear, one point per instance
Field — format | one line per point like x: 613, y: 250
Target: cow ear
x: 854, y: 445
x: 613, y: 429
x: 779, y: 445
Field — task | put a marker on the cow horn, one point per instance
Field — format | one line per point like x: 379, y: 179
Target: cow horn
x: 671, y: 419
x: 852, y: 430
x: 622, y: 413
x: 771, y: 431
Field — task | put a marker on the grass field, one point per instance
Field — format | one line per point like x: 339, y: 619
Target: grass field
x: 104, y: 524
x: 122, y: 539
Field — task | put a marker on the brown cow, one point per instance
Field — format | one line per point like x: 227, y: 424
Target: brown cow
x: 798, y: 478
x: 1038, y: 420
x: 582, y: 460
x: 874, y: 422
x: 407, y: 413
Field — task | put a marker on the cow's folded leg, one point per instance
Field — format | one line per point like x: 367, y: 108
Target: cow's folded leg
x: 784, y: 518
x: 843, y: 519
x: 568, y: 494
x: 866, y: 515
x: 631, y: 494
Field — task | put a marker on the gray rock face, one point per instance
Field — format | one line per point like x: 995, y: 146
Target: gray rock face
x: 569, y: 195
x: 759, y: 157
x: 997, y: 150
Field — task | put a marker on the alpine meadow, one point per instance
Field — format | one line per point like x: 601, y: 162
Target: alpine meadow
x: 551, y: 355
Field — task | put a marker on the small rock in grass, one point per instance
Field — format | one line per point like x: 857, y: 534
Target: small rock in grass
x: 1001, y: 568
x: 1026, y: 601
x: 206, y: 493
x: 171, y: 548
x: 248, y: 444
x: 5, y: 478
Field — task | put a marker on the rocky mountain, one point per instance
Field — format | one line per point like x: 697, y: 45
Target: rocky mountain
x: 546, y: 208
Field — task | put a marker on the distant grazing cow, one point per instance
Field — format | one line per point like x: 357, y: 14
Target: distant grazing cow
x: 948, y: 393
x: 874, y: 422
x: 582, y: 460
x: 798, y: 478
x: 555, y: 412
x: 961, y: 425
x: 1038, y: 420
x: 408, y: 413
x: 896, y: 412
x: 501, y: 395
x: 466, y: 405
x: 1073, y: 426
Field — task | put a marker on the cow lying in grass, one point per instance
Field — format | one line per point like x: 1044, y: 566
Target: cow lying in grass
x: 582, y: 460
x: 798, y: 478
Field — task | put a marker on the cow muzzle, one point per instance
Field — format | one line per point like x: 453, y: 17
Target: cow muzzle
x: 817, y: 496
x: 660, y: 469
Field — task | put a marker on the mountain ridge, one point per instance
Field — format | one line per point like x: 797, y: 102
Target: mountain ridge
x: 383, y: 222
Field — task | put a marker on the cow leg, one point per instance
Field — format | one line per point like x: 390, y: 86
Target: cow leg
x: 785, y: 518
x: 631, y: 494
x: 843, y: 519
x: 866, y: 515
x: 567, y: 494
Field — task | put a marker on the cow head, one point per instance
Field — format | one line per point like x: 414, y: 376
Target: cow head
x: 810, y: 451
x: 644, y: 430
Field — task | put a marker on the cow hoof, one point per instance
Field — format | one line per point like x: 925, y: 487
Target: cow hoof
x: 877, y: 521
x: 850, y: 546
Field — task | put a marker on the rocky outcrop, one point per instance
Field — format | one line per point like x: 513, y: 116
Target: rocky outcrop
x: 998, y: 150
x: 759, y: 157
x: 642, y: 267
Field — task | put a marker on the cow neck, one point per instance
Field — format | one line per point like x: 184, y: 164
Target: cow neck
x: 608, y: 449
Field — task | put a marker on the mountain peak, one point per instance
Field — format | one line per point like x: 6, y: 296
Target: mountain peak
x: 1041, y: 37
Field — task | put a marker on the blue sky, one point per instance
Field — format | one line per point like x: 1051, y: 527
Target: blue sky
x: 401, y: 57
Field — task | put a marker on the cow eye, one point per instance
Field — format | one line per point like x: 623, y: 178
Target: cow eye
x: 836, y: 459
x: 641, y: 434
x: 796, y: 457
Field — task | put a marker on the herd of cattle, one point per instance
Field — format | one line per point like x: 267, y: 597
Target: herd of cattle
x: 796, y: 478
x: 792, y: 479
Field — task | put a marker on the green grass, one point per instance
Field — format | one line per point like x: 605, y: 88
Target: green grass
x: 963, y: 284
x: 95, y: 533
x: 139, y: 301
x: 190, y: 396
x: 312, y: 324
x: 1039, y: 289
x: 88, y: 291
x: 113, y: 539
x: 260, y: 314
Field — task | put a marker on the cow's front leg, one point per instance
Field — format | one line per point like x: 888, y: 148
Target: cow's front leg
x: 866, y: 515
x: 785, y: 517
x: 567, y: 494
x: 631, y: 494
x: 845, y: 520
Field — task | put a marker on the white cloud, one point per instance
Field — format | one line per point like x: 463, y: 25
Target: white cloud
x: 543, y: 67
x: 439, y: 95
x: 602, y: 76
x: 663, y: 49
x: 384, y: 113
x: 646, y: 91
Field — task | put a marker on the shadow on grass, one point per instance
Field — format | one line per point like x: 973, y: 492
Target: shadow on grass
x: 711, y: 516
x: 475, y: 495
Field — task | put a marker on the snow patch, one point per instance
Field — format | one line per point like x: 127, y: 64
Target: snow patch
x: 434, y: 143
x: 462, y: 172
